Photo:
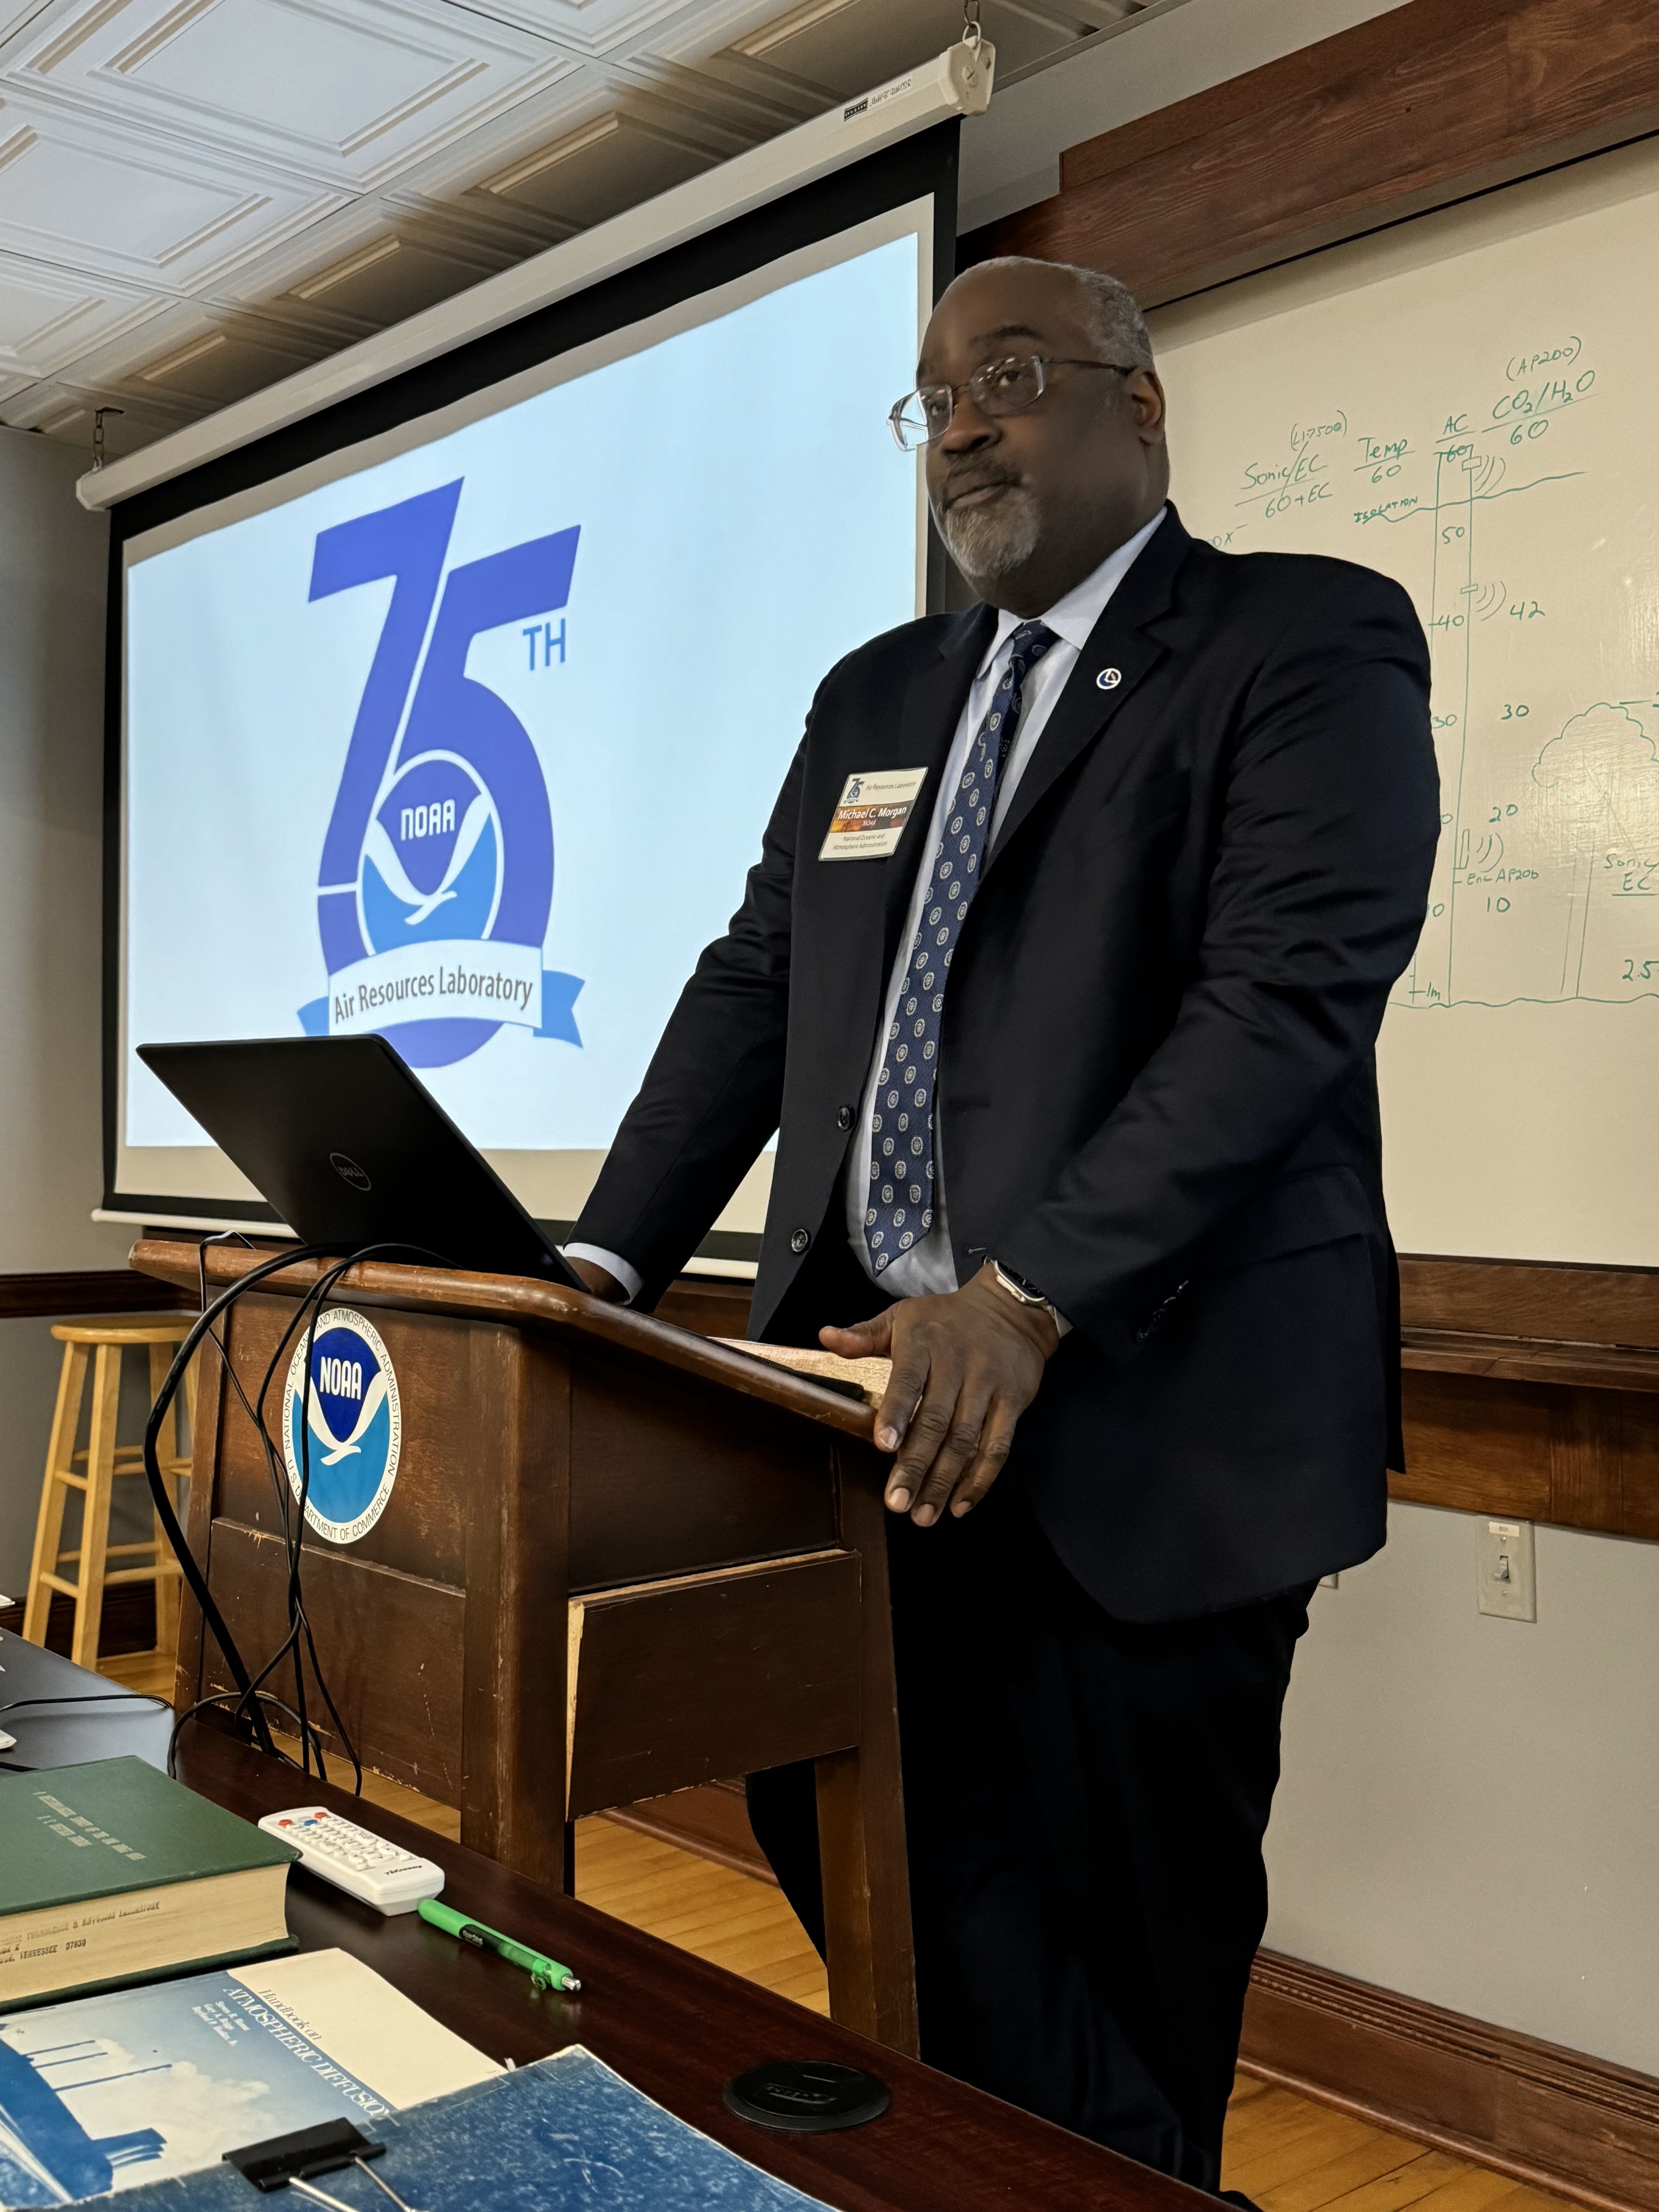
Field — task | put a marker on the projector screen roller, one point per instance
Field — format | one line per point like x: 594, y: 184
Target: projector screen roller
x: 467, y: 732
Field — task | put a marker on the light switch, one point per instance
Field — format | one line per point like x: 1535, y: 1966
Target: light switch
x: 1508, y: 1583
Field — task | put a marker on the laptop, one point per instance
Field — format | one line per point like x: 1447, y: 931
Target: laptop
x: 342, y: 1138
x: 48, y: 1716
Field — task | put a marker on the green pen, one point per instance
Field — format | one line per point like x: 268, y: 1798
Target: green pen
x: 545, y: 1974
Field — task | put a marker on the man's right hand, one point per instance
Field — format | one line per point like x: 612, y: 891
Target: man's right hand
x: 601, y: 1281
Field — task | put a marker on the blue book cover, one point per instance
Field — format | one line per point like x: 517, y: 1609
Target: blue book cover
x: 566, y: 2134
x: 110, y: 2093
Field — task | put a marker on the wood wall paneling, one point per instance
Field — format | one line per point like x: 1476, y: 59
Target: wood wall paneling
x: 56, y: 1296
x: 126, y: 1621
x: 1507, y: 1297
x: 1557, y: 2120
x: 707, y: 1306
x: 1421, y: 106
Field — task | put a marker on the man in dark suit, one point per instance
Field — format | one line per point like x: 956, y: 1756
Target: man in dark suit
x: 1073, y: 1081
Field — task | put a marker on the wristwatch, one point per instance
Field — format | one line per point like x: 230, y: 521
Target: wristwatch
x: 1027, y: 1293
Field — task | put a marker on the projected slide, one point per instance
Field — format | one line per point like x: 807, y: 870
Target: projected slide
x: 473, y: 743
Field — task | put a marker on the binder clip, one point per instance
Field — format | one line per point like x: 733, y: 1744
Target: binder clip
x: 293, y: 2162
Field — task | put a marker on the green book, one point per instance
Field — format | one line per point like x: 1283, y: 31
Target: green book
x: 111, y: 1873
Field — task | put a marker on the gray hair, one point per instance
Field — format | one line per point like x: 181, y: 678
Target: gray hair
x: 1115, y: 321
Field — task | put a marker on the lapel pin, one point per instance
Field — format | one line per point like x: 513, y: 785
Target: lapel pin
x: 1109, y: 678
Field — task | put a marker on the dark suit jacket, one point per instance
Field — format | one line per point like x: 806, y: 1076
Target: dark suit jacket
x: 1157, y: 1092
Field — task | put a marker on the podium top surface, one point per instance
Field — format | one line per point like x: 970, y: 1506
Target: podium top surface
x: 570, y: 1317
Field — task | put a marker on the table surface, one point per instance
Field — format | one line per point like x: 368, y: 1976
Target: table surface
x: 677, y: 2027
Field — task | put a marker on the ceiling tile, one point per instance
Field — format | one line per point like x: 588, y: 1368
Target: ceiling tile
x: 593, y: 27
x: 693, y: 34
x: 49, y: 316
x: 198, y: 196
x: 381, y: 283
x: 194, y: 358
x: 218, y: 366
x: 103, y: 201
x: 373, y: 264
x: 349, y: 91
x: 19, y: 16
x: 293, y: 70
x: 569, y: 148
x: 613, y: 162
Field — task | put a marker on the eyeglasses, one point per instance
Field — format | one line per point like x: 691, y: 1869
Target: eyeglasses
x: 1000, y: 388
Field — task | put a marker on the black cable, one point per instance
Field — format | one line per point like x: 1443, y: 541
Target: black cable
x: 293, y: 1536
x: 281, y: 1491
x: 293, y: 1526
x: 294, y: 1532
x: 250, y: 1696
x: 315, y: 1299
x: 158, y: 1490
x: 97, y: 1698
x: 223, y: 1698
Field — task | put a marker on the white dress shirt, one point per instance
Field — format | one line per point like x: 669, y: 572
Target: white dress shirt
x: 929, y: 1266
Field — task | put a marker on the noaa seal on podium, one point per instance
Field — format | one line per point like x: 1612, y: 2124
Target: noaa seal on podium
x: 341, y: 1439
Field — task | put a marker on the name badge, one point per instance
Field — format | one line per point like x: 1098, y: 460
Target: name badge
x: 870, y: 814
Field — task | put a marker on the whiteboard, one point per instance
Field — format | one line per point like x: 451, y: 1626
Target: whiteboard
x: 1469, y: 402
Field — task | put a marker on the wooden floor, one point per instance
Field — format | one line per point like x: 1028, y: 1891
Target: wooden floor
x: 1283, y: 2151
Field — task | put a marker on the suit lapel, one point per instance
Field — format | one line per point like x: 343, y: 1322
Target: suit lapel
x: 1122, y: 650
x: 927, y: 722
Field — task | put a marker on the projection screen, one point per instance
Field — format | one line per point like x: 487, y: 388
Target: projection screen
x: 459, y: 718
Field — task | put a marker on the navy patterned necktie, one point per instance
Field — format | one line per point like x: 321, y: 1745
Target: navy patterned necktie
x: 900, y: 1211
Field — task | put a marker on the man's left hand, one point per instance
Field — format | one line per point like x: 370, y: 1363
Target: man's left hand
x: 965, y: 1367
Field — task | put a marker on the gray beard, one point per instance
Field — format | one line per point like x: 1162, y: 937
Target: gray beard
x: 989, y: 543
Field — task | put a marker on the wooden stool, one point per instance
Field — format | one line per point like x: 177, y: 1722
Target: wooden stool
x: 105, y: 1462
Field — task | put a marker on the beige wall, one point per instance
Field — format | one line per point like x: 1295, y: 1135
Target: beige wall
x: 52, y: 557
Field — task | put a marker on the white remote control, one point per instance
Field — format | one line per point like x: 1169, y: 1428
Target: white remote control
x: 355, y: 1859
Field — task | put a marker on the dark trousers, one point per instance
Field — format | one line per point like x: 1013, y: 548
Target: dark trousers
x: 1085, y: 1802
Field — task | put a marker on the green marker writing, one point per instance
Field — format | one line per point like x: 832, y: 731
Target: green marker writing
x: 545, y: 1974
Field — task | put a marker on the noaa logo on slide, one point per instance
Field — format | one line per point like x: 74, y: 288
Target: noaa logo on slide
x: 436, y: 881
x: 347, y: 1431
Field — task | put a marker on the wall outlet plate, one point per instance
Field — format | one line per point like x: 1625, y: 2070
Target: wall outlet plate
x: 1508, y: 1575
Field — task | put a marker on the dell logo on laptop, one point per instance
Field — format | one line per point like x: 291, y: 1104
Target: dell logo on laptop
x: 348, y: 1171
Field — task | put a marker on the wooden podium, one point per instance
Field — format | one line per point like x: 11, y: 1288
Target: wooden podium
x: 617, y: 1560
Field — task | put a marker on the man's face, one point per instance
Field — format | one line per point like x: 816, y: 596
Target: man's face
x: 1028, y: 504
